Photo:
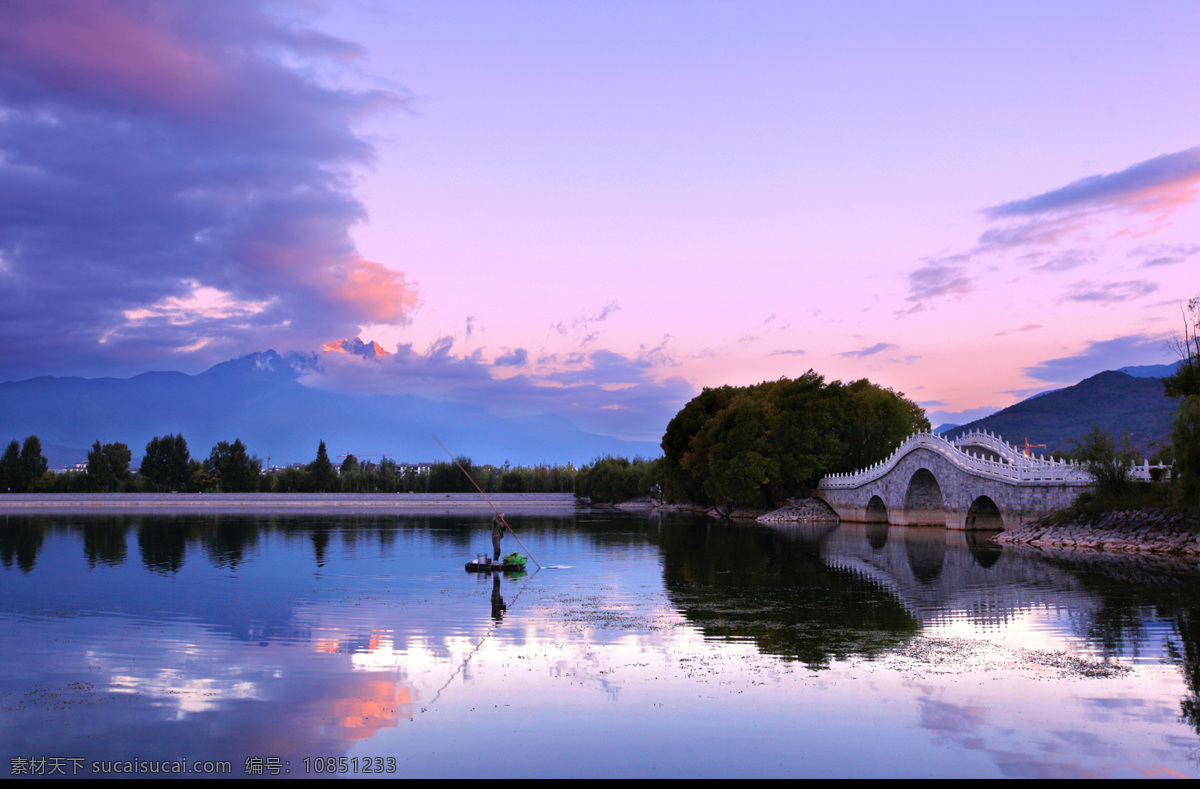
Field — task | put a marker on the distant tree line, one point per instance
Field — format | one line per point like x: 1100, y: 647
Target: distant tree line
x: 167, y: 465
x: 613, y: 479
x: 732, y: 446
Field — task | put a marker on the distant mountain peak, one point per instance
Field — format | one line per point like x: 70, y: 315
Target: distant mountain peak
x: 356, y: 347
x: 264, y: 365
x: 1152, y: 370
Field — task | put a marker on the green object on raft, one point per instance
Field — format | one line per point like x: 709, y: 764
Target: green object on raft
x: 514, y: 558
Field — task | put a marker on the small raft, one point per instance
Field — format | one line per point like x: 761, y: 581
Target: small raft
x: 508, y: 564
x: 487, y: 567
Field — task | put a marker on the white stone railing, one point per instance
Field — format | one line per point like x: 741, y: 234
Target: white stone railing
x: 991, y: 441
x: 1012, y: 467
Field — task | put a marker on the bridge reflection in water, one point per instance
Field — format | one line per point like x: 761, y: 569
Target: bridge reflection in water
x: 978, y: 481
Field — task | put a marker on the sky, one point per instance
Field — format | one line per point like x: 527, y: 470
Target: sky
x: 594, y: 210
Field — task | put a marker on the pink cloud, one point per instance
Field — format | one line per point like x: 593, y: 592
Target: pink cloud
x: 1158, y: 186
x: 373, y: 291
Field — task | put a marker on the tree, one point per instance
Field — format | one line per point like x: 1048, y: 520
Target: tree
x: 234, y: 469
x: 449, y: 478
x: 679, y: 480
x: 1108, y: 460
x: 758, y: 445
x: 10, y: 469
x: 108, y: 466
x: 1185, y: 441
x: 611, y: 479
x: 32, y: 461
x: 1184, y: 383
x: 166, y: 462
x: 320, y: 472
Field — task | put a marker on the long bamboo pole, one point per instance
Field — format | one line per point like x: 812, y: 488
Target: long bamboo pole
x: 489, y: 501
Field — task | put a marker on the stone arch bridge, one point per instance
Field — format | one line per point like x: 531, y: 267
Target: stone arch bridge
x: 978, y: 481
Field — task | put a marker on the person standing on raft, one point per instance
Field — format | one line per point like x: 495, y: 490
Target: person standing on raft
x: 498, y: 527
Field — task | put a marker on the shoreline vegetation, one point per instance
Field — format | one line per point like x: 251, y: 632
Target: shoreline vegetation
x: 231, y: 503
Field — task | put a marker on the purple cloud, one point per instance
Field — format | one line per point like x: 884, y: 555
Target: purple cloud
x: 1164, y: 254
x: 1065, y: 261
x: 1110, y: 291
x: 175, y: 187
x: 1158, y: 186
x: 1153, y: 185
x: 939, y: 278
x: 582, y: 324
x: 878, y: 347
x: 1134, y: 349
x: 517, y: 358
x: 599, y: 391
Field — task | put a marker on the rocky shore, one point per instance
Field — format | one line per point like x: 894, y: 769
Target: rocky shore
x: 800, y: 511
x: 1131, y: 531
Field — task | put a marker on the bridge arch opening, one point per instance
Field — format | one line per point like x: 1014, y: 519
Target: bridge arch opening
x: 923, y: 501
x: 984, y: 514
x: 876, y: 511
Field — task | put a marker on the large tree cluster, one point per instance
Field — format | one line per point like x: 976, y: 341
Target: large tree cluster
x: 759, y: 445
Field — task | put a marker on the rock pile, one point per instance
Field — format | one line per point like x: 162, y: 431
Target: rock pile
x: 1132, y: 531
x: 802, y: 511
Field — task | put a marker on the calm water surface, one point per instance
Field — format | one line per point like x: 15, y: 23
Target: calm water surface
x: 658, y: 645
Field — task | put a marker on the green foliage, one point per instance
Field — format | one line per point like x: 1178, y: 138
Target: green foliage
x: 681, y: 482
x: 387, y: 476
x: 759, y: 445
x: 449, y: 477
x: 22, y: 466
x: 166, y: 463
x: 1185, y: 440
x: 610, y: 480
x: 233, y: 468
x: 1136, y: 495
x: 1185, y: 432
x: 33, y: 462
x: 321, y: 477
x: 10, y: 469
x: 1108, y: 460
x: 108, y: 466
x: 872, y: 419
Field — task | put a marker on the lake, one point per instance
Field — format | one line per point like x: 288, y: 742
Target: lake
x: 343, y: 635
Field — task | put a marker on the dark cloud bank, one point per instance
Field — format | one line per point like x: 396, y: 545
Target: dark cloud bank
x: 175, y: 186
x: 176, y: 190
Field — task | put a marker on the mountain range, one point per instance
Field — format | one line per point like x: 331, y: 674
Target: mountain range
x: 258, y: 399
x: 1113, y: 400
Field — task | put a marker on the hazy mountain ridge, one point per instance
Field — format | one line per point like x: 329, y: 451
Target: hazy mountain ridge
x: 257, y: 398
x: 1116, y: 401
